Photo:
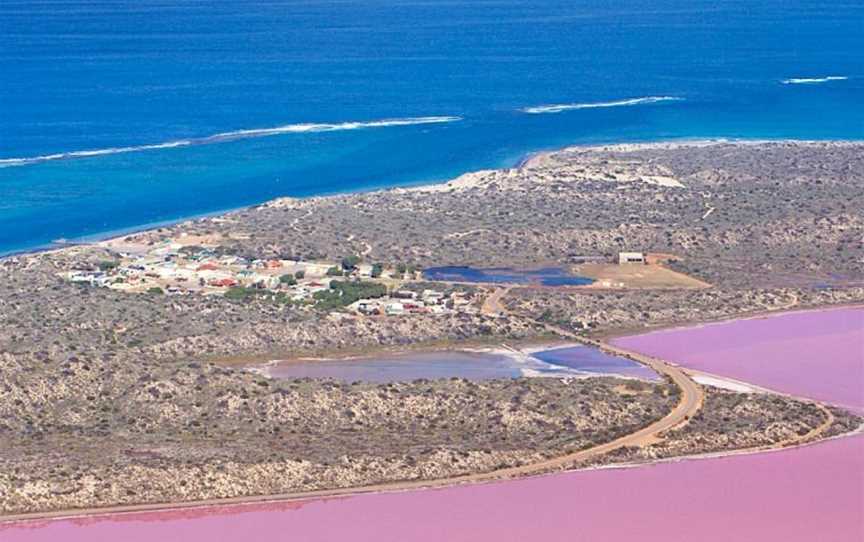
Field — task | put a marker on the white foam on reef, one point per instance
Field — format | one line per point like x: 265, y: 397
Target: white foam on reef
x: 234, y: 135
x: 7, y: 162
x: 813, y: 80
x: 558, y: 108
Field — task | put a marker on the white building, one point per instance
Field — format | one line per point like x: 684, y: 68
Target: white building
x: 432, y: 297
x: 394, y: 309
x: 630, y: 257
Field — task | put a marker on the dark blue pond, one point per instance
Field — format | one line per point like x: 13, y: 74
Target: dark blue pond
x: 547, y: 276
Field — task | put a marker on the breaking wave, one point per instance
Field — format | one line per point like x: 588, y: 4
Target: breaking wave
x: 231, y: 136
x: 558, y: 108
x: 813, y: 80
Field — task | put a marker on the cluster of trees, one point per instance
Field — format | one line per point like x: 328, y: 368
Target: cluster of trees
x: 349, y: 264
x: 343, y: 293
x: 107, y: 265
x: 245, y: 294
x: 402, y: 269
x: 242, y: 293
x: 291, y: 279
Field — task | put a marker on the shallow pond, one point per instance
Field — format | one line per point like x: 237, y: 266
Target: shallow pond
x: 547, y: 276
x: 473, y: 365
x: 591, y: 360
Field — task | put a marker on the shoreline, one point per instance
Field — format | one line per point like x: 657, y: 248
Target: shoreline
x: 526, y: 159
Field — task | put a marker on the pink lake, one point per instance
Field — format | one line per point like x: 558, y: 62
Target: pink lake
x: 816, y: 354
x: 815, y: 493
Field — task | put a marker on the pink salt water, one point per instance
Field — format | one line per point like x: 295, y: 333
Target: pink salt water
x: 816, y: 354
x: 814, y: 493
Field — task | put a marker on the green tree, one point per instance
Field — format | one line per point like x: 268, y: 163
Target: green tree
x: 334, y: 272
x: 288, y: 279
x: 349, y: 263
x: 377, y: 269
x: 343, y: 293
x: 299, y: 274
x: 240, y: 293
x: 155, y: 290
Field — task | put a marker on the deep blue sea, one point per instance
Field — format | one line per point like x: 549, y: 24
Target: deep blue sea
x: 196, y: 106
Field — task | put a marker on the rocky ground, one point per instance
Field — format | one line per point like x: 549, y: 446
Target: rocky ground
x: 157, y: 435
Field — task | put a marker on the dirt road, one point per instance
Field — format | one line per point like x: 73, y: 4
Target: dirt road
x: 492, y: 305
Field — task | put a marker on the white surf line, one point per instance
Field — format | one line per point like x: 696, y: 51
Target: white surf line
x: 813, y: 80
x: 558, y: 108
x: 234, y: 135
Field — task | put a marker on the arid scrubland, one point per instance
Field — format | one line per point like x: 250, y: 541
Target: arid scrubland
x: 155, y: 435
x: 738, y: 214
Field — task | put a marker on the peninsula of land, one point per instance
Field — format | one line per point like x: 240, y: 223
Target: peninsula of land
x: 122, y: 363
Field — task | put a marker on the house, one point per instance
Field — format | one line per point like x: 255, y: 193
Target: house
x: 364, y: 270
x: 432, y: 297
x: 213, y: 275
x: 266, y: 281
x: 631, y: 257
x: 368, y: 306
x: 316, y: 269
x: 93, y: 278
x: 458, y: 299
x: 393, y: 309
x: 223, y: 283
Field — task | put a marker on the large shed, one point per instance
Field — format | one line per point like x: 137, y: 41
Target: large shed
x: 631, y: 257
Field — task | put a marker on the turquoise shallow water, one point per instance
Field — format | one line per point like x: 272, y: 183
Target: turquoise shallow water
x: 179, y: 98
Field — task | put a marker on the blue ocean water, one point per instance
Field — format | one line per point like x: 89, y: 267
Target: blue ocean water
x: 184, y: 82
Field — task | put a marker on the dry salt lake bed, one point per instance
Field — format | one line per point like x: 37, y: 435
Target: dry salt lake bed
x: 811, y: 493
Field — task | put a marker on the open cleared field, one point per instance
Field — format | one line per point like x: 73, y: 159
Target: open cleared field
x: 636, y: 276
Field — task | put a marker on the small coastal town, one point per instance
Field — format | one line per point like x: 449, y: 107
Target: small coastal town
x: 189, y: 265
x: 189, y: 268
